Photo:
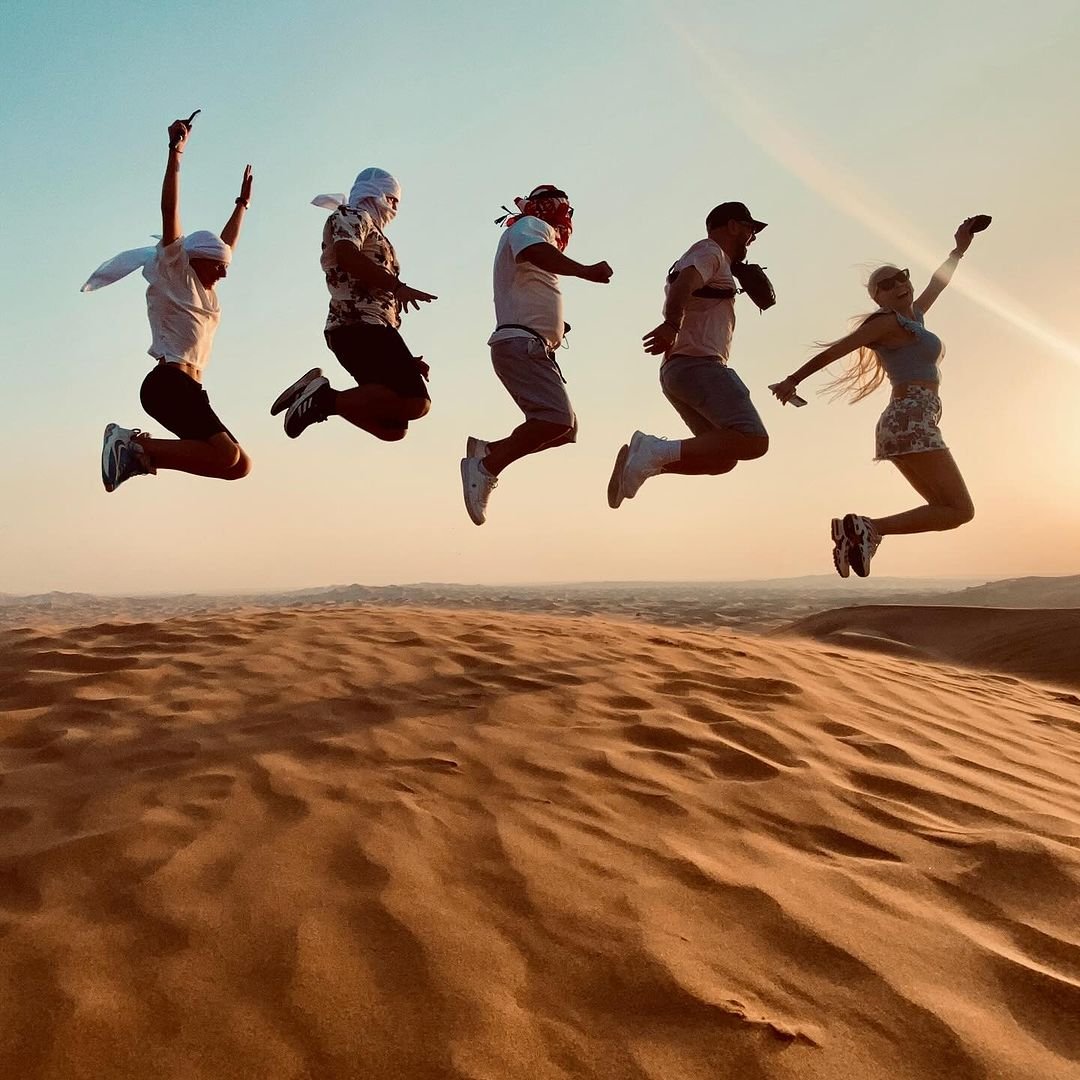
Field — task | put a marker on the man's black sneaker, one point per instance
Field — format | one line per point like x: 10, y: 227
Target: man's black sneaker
x: 310, y: 407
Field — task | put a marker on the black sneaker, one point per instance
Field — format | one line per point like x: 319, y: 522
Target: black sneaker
x: 288, y: 396
x: 310, y: 407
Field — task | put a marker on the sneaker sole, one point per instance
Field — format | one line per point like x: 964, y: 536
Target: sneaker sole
x: 614, y: 487
x: 287, y: 397
x: 465, y: 492
x: 854, y: 533
x: 843, y: 567
x: 105, y: 457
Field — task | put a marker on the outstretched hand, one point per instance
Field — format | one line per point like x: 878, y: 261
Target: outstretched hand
x: 245, y: 186
x: 784, y: 391
x: 179, y: 130
x: 599, y: 272
x: 661, y: 339
x: 963, y: 235
x: 406, y: 296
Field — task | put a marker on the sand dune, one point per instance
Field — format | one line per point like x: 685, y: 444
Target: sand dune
x: 397, y: 843
x: 1035, y: 644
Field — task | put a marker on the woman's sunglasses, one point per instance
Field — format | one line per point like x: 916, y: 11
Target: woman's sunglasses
x: 893, y: 280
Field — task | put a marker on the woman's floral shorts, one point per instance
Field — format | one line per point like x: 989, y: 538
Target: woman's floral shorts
x: 909, y: 424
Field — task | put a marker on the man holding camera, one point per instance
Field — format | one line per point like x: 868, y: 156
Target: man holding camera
x: 695, y: 342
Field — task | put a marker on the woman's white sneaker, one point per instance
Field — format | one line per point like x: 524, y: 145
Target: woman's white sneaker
x: 864, y: 541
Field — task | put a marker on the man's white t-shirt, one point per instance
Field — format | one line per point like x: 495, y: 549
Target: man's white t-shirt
x: 183, y: 313
x: 707, y: 325
x: 525, y: 294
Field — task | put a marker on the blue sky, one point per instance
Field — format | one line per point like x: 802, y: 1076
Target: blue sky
x: 861, y: 136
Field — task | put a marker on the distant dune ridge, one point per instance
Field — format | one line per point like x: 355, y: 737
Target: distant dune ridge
x: 402, y: 842
x: 1034, y: 644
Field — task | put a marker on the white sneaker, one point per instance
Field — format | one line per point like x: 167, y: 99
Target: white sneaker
x: 864, y: 541
x: 121, y: 457
x: 645, y: 457
x: 477, y: 485
x: 841, y: 552
x: 476, y: 448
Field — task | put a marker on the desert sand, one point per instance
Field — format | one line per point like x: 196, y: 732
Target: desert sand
x: 397, y: 842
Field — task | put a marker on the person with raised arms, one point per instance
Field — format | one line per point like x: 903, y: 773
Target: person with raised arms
x: 182, y: 305
x: 893, y: 342
x: 529, y: 260
x: 695, y: 376
x: 367, y: 300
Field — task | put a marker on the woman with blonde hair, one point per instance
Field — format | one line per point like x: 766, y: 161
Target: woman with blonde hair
x: 893, y: 343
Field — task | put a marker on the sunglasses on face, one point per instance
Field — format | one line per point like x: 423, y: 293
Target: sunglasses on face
x: 890, y: 282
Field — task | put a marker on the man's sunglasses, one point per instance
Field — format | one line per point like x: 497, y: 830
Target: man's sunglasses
x: 893, y: 280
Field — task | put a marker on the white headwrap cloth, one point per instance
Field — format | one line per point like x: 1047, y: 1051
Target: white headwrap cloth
x: 202, y: 244
x: 369, y: 192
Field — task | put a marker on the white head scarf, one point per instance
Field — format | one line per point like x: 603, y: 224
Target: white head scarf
x: 370, y: 192
x: 202, y: 244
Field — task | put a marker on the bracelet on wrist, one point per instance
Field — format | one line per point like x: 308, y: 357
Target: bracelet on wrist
x: 243, y: 202
x: 674, y: 326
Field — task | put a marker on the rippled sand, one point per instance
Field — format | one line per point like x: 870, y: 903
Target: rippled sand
x: 395, y: 843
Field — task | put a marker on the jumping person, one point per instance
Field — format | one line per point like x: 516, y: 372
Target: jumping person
x: 529, y: 328
x: 695, y: 342
x: 182, y: 306
x: 893, y: 342
x: 367, y: 300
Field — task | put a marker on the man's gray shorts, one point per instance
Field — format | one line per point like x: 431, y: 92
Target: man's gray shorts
x: 533, y: 379
x: 708, y: 395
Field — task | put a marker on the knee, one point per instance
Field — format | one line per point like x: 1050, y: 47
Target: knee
x: 239, y: 469
x: 718, y: 468
x: 392, y: 434
x: 965, y: 512
x: 755, y: 446
x: 414, y: 408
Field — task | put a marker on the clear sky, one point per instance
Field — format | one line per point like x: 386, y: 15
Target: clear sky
x: 863, y: 133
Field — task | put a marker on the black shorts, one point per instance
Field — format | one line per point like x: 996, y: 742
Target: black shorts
x: 378, y: 354
x: 176, y: 401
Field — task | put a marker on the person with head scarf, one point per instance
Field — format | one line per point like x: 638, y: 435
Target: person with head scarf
x: 894, y: 343
x: 695, y: 376
x: 529, y: 260
x: 182, y: 306
x: 367, y: 300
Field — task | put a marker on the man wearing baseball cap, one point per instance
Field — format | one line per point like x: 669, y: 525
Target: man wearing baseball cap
x: 695, y: 342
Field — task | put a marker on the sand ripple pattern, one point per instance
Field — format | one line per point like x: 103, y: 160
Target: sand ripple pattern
x: 407, y: 843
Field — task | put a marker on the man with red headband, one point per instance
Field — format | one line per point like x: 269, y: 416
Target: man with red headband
x: 529, y: 317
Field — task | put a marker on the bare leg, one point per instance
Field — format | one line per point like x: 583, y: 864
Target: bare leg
x: 935, y: 476
x: 716, y: 452
x: 218, y: 457
x: 378, y: 410
x: 527, y: 438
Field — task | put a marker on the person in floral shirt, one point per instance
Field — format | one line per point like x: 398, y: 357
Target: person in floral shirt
x: 367, y: 300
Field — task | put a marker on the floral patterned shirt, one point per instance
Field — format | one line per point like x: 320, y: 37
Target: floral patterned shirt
x: 351, y: 302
